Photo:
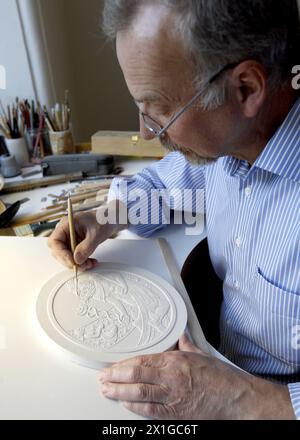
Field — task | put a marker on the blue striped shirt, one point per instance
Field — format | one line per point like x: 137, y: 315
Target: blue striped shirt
x: 252, y: 218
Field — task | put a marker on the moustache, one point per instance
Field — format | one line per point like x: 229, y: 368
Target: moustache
x: 192, y: 157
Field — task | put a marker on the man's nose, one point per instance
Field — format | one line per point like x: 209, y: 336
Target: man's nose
x: 145, y: 132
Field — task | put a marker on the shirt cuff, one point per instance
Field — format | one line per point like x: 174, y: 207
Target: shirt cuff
x: 117, y: 191
x: 294, y: 389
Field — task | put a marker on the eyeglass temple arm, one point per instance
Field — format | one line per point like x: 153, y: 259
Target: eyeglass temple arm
x: 191, y: 102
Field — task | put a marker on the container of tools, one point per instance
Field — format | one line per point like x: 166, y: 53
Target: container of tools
x: 60, y: 128
x: 13, y: 130
x: 62, y: 142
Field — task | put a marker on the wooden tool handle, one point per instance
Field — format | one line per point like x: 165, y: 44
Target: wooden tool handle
x: 54, y: 214
x: 39, y: 183
x: 73, y: 239
x: 36, y: 218
x: 79, y: 197
x: 71, y: 226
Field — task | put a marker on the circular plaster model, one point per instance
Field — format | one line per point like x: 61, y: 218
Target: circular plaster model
x: 117, y: 312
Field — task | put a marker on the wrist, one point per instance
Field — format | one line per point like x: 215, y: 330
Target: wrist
x: 114, y: 216
x: 264, y: 400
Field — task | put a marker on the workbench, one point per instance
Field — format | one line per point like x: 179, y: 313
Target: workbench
x: 39, y: 198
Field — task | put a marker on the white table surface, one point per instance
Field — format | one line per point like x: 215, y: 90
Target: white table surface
x: 37, y: 381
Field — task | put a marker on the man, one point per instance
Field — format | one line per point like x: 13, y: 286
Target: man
x: 213, y: 80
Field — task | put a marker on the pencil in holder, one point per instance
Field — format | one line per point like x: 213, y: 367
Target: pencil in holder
x: 38, y: 143
x: 62, y: 142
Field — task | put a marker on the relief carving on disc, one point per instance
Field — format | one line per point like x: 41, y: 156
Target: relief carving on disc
x: 118, y: 311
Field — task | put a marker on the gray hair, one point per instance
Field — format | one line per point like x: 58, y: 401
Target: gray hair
x: 220, y: 32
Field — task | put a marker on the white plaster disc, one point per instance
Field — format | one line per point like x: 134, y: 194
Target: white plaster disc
x: 118, y: 312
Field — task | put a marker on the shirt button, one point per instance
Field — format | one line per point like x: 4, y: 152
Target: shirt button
x: 238, y: 242
x: 236, y: 284
x: 228, y: 322
x: 248, y: 191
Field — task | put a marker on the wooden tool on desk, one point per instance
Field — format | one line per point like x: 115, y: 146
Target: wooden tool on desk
x: 39, y: 183
x: 73, y: 239
x: 99, y: 196
x: 99, y: 190
x: 54, y: 214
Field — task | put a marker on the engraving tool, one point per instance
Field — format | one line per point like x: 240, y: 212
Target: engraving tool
x: 73, y: 239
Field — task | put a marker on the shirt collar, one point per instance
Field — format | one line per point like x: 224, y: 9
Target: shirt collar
x: 235, y: 167
x: 280, y: 156
x: 282, y: 153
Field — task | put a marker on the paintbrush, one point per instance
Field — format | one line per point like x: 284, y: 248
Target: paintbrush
x: 72, y: 239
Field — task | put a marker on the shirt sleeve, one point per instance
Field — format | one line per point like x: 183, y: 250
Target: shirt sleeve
x: 294, y: 389
x: 172, y: 184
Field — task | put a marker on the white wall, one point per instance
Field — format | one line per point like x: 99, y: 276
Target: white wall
x: 13, y: 54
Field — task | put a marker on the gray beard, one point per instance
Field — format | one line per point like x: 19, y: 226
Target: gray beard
x: 190, y: 155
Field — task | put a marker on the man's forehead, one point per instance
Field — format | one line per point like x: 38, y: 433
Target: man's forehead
x: 150, y: 20
x: 151, y: 77
x: 152, y: 31
x: 153, y: 61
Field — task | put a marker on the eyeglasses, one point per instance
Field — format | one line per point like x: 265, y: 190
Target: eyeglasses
x: 155, y: 128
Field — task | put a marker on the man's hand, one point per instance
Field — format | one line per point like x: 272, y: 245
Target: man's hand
x: 188, y: 384
x: 89, y: 234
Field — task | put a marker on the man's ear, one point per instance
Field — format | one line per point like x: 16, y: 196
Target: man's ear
x: 249, y: 80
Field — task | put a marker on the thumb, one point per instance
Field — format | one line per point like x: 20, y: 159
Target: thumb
x: 184, y: 344
x: 84, y: 250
